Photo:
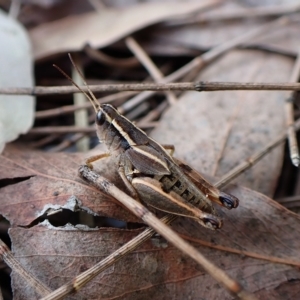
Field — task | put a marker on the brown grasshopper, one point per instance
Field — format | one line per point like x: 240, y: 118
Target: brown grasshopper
x: 151, y: 173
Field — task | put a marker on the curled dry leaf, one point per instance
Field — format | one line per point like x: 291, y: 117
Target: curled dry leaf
x: 100, y: 29
x: 214, y: 132
x: 258, y: 244
x: 16, y: 112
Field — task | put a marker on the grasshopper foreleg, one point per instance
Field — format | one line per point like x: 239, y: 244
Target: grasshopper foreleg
x: 89, y: 161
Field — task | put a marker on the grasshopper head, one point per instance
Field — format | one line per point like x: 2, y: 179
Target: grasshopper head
x: 109, y: 129
x: 106, y: 113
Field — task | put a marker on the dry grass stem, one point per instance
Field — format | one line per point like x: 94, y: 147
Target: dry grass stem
x: 72, y: 129
x: 271, y: 49
x: 67, y: 142
x: 10, y: 260
x: 145, y: 60
x: 255, y: 158
x: 44, y: 141
x: 61, y: 130
x: 268, y: 258
x: 152, y: 115
x: 68, y: 109
x: 290, y: 202
x: 228, y: 130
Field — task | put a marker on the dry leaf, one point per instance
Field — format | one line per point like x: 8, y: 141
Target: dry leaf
x: 16, y: 112
x: 259, y: 227
x: 105, y: 27
x: 201, y: 124
x: 40, y: 181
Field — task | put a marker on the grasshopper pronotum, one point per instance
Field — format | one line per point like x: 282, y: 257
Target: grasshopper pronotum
x: 150, y: 172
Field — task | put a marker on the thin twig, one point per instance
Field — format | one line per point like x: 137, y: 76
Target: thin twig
x: 283, y: 200
x: 61, y: 130
x: 153, y: 114
x: 70, y: 140
x: 255, y: 158
x: 63, y: 110
x: 289, y: 114
x: 270, y: 48
x: 144, y: 58
x: 292, y: 205
x: 15, y: 265
x: 68, y: 129
x: 290, y: 202
x: 67, y: 142
x: 44, y: 141
x: 198, y: 86
x: 68, y: 109
x: 269, y: 258
x: 228, y: 130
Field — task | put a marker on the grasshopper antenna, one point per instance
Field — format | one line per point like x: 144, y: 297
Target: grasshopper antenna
x: 89, y: 95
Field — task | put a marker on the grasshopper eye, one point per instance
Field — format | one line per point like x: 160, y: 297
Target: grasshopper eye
x: 100, y: 117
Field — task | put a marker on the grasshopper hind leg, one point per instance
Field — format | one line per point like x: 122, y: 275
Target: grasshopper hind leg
x: 150, y: 192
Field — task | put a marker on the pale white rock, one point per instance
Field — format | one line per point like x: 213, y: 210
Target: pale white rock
x: 16, y: 112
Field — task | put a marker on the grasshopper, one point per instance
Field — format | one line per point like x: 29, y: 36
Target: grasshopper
x: 149, y: 170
